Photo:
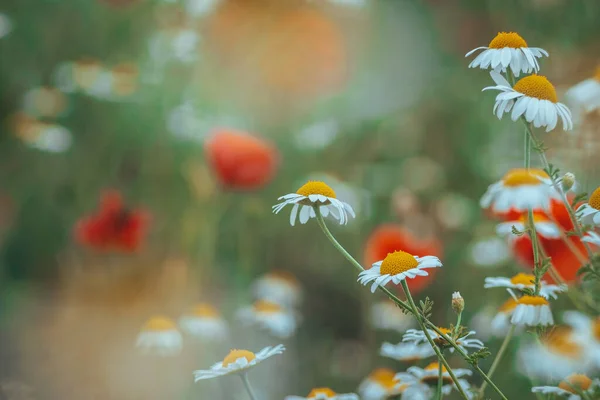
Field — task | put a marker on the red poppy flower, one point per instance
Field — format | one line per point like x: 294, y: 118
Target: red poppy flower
x: 388, y: 238
x: 113, y: 227
x: 241, y: 161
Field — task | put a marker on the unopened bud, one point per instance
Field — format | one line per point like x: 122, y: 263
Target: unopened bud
x: 458, y: 303
x: 567, y: 182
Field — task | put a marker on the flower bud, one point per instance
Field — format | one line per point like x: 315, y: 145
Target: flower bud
x: 458, y: 303
x: 567, y: 182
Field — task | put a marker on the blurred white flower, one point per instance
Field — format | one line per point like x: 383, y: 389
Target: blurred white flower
x: 270, y: 316
x: 324, y: 394
x: 381, y: 384
x: 160, y: 336
x: 454, y: 211
x: 205, y: 322
x: 44, y: 101
x: 570, y: 387
x: 180, y: 46
x: 238, y: 361
x: 586, y: 330
x: 417, y: 381
x: 200, y: 8
x: 406, y: 352
x: 386, y: 315
x: 585, y: 96
x: 6, y: 25
x: 318, y: 135
x: 282, y: 287
x: 489, y: 252
x: 53, y: 138
x: 523, y: 281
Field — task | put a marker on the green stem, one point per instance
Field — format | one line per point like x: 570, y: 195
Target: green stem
x: 536, y: 249
x: 440, y: 380
x: 430, y: 340
x: 527, y: 151
x: 244, y: 377
x: 498, y: 358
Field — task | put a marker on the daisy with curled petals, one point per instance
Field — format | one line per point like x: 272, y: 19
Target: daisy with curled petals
x: 324, y: 394
x: 508, y: 49
x: 570, y: 387
x: 270, y: 316
x: 534, y: 98
x: 586, y: 95
x: 238, y: 361
x: 312, y: 195
x: 589, y: 213
x: 281, y: 287
x: 420, y: 382
x: 586, y: 330
x: 160, y: 336
x: 417, y: 336
x: 386, y: 315
x: 544, y: 227
x: 406, y: 352
x: 381, y: 384
x: 532, y: 311
x: 204, y: 322
x: 500, y: 324
x: 396, y: 267
x: 518, y: 191
x: 523, y: 281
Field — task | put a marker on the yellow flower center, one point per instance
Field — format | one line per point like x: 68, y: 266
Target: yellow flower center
x: 435, y: 367
x: 559, y: 341
x: 522, y: 279
x: 508, y: 306
x: 321, y: 391
x: 597, y: 75
x: 596, y: 328
x: 385, y: 377
x: 533, y: 301
x: 397, y: 262
x: 507, y: 39
x: 316, y: 187
x: 594, y: 200
x: 264, y: 306
x: 522, y: 176
x: 204, y: 310
x: 159, y: 324
x: 537, y: 217
x: 440, y: 340
x: 574, y: 382
x: 537, y: 86
x: 235, y: 355
x: 432, y: 378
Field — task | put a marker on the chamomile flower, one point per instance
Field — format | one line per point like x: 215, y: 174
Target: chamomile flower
x: 569, y: 387
x: 386, y: 315
x: 419, y: 381
x: 160, y: 336
x: 589, y: 213
x: 518, y: 191
x: 380, y: 385
x: 532, y: 311
x: 279, y: 286
x: 544, y: 227
x: 591, y: 237
x: 500, y: 324
x: 204, y: 322
x: 396, y: 267
x: 586, y: 330
x: 324, y: 394
x: 238, y: 361
x: 586, y: 94
x: 417, y: 336
x: 311, y: 195
x: 508, y: 50
x: 406, y: 352
x: 532, y: 97
x: 270, y: 316
x: 523, y: 281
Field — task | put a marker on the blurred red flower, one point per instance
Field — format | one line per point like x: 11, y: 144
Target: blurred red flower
x: 113, y: 227
x: 241, y: 161
x: 387, y: 238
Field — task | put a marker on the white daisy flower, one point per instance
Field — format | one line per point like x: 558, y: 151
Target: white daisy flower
x: 417, y: 336
x: 558, y: 355
x: 520, y: 190
x: 508, y: 50
x: 544, y: 227
x: 532, y: 311
x: 270, y: 316
x: 324, y: 394
x: 586, y: 94
x: 380, y: 385
x: 204, y: 322
x: 589, y: 213
x: 523, y: 281
x: 569, y: 387
x: 282, y: 287
x: 160, y: 336
x: 586, y: 330
x: 386, y: 315
x: 44, y: 101
x: 396, y: 267
x: 591, y: 237
x: 238, y: 361
x: 406, y: 352
x: 314, y: 194
x: 532, y: 97
x: 419, y: 381
x: 489, y: 252
x: 500, y: 324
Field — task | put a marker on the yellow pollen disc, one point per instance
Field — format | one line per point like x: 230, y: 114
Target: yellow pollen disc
x: 159, y: 324
x: 537, y: 217
x: 594, y: 200
x: 237, y: 354
x: 522, y: 176
x: 507, y: 39
x: 575, y: 381
x: 597, y: 75
x: 385, y: 377
x: 559, y: 341
x: 264, y: 306
x: 508, y: 306
x: 522, y: 279
x: 596, y: 328
x: 397, y: 262
x: 316, y: 187
x: 435, y: 367
x: 204, y: 310
x: 533, y: 301
x: 321, y: 391
x: 536, y: 86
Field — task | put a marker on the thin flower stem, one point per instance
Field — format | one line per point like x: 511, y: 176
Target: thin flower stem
x: 527, y: 150
x: 440, y: 380
x: 430, y: 340
x: 498, y: 358
x: 244, y: 377
x: 536, y: 249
